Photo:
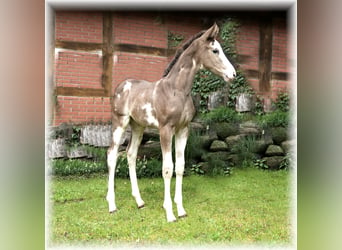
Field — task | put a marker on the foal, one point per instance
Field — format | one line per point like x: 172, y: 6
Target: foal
x: 166, y: 104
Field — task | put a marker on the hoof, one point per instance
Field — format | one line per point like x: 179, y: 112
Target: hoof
x: 112, y: 212
x: 141, y: 206
x: 182, y: 216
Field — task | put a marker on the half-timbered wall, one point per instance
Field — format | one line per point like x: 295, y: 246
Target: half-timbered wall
x: 95, y: 51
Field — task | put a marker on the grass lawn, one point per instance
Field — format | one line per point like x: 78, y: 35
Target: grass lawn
x: 249, y: 207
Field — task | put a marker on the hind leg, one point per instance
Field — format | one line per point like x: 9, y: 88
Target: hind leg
x: 119, y: 127
x: 132, y: 152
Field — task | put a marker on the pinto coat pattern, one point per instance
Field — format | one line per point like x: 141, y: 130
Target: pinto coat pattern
x: 167, y: 105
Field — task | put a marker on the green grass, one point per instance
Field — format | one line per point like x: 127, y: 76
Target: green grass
x: 249, y: 207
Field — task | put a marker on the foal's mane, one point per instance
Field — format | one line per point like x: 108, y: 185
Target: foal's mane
x: 180, y: 51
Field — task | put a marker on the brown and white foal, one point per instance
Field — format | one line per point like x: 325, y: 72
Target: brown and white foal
x: 166, y: 104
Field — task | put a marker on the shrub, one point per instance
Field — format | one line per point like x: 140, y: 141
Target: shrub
x: 275, y: 119
x: 282, y: 102
x: 221, y: 114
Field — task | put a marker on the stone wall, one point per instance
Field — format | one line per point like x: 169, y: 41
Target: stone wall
x: 225, y: 142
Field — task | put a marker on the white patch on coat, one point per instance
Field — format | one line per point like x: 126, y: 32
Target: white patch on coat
x: 127, y: 86
x: 151, y: 120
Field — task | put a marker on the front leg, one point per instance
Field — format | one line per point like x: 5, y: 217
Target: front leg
x: 181, y: 139
x: 166, y: 135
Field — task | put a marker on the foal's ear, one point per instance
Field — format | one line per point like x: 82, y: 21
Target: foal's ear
x: 211, y: 33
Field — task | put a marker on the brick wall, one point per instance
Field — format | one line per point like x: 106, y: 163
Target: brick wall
x: 77, y: 68
x: 248, y: 42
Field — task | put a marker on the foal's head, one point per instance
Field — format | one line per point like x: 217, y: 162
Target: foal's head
x: 211, y: 55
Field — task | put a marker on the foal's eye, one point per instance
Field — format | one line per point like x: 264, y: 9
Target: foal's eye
x: 215, y: 51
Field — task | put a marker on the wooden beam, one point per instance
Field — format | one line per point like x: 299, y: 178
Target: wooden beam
x: 281, y: 76
x: 265, y: 53
x: 74, y: 91
x: 78, y: 45
x: 140, y: 49
x: 107, y: 52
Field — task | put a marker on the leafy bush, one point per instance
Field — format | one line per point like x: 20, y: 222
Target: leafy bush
x: 282, y: 102
x: 221, y: 114
x: 275, y: 119
x: 261, y: 164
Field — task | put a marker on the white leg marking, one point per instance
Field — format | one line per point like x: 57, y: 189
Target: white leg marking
x: 137, y: 134
x: 181, y: 139
x: 111, y: 161
x: 167, y: 175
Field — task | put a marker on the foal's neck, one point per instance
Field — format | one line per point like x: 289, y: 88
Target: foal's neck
x: 182, y: 75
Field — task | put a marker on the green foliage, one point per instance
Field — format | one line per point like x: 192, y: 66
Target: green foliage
x: 282, y: 102
x: 287, y: 162
x: 221, y: 114
x: 197, y: 169
x: 259, y: 106
x: 218, y: 167
x: 174, y: 39
x: 245, y: 149
x: 61, y: 167
x: 228, y: 30
x: 260, y: 164
x: 274, y: 119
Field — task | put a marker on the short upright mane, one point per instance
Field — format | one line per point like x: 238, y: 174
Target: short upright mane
x: 180, y: 51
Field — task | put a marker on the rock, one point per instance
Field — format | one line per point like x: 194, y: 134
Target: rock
x: 234, y: 159
x: 78, y: 152
x: 231, y: 141
x: 274, y: 150
x: 207, y: 140
x: 225, y: 129
x: 273, y: 162
x: 261, y: 146
x: 220, y: 155
x: 151, y: 134
x: 198, y: 127
x: 218, y: 146
x: 288, y: 146
x: 279, y: 134
x: 57, y: 148
x: 249, y: 124
x: 249, y: 128
x: 244, y: 102
x: 150, y: 150
x: 215, y: 100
